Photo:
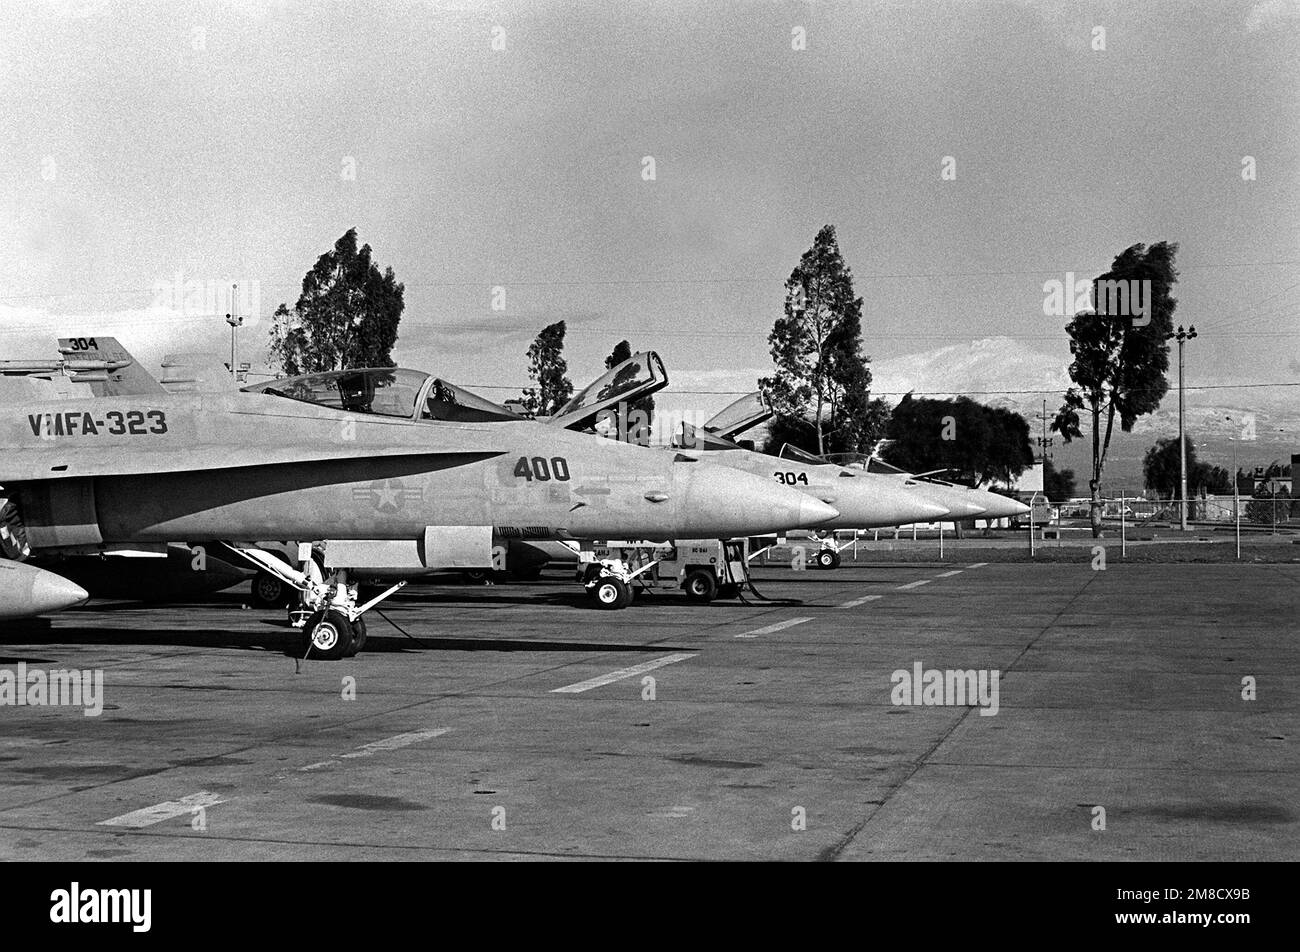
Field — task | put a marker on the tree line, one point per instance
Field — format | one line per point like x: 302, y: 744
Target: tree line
x: 348, y: 312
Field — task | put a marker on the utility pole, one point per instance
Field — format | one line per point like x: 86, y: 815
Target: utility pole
x: 235, y: 320
x: 1043, y: 441
x: 1182, y: 336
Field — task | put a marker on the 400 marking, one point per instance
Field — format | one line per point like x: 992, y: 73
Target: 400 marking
x: 540, y: 469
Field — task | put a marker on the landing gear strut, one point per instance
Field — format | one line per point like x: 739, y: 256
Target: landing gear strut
x: 333, y: 628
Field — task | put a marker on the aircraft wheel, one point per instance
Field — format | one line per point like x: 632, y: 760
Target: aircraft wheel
x: 329, y: 635
x: 267, y: 591
x: 701, y: 586
x: 358, y: 638
x: 826, y: 559
x: 611, y: 593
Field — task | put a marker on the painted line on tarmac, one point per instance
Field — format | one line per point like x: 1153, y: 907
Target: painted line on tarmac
x: 924, y: 581
x: 861, y: 601
x: 770, y: 629
x: 977, y: 565
x: 622, y: 673
x: 148, y: 816
x: 396, y: 742
x: 949, y: 574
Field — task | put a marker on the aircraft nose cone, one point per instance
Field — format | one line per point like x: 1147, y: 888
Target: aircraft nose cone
x: 1003, y: 507
x: 973, y: 510
x: 721, y: 502
x: 53, y: 593
x: 813, y: 512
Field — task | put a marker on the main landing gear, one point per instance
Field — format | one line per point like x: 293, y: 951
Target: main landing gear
x: 333, y: 626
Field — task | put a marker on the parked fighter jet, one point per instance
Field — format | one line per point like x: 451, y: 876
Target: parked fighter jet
x: 864, y: 500
x: 974, y: 503
x: 377, y: 454
x: 960, y: 502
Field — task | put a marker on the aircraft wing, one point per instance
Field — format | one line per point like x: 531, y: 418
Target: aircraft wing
x: 639, y: 376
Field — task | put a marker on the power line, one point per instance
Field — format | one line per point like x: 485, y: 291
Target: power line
x: 625, y: 282
x: 903, y: 393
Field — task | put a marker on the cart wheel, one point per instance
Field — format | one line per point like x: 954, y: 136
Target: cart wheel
x: 701, y: 585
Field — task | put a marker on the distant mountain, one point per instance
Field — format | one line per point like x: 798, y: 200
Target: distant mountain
x: 1004, y: 372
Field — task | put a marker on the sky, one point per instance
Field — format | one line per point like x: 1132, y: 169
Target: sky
x: 147, y: 145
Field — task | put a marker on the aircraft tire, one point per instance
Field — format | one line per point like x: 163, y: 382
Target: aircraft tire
x: 826, y: 559
x: 701, y: 586
x: 267, y: 591
x: 611, y: 594
x: 329, y: 636
x: 358, y: 638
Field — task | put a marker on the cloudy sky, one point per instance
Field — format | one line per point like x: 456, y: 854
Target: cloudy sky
x: 145, y: 144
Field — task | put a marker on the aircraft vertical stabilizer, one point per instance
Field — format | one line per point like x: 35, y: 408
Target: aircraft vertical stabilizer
x: 106, y: 366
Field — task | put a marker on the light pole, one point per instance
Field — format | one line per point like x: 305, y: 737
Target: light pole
x: 1182, y: 336
x: 235, y: 320
x: 1236, y: 501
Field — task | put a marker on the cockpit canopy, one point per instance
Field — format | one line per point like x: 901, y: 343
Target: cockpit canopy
x: 874, y: 464
x: 790, y: 451
x: 388, y: 392
x: 735, y: 418
x: 700, y: 440
x: 639, y: 376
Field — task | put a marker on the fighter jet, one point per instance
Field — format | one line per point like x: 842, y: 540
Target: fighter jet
x: 372, y: 454
x: 964, y: 502
x: 959, y: 502
x: 864, y: 500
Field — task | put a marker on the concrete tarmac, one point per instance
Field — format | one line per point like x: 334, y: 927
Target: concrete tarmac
x: 518, y: 723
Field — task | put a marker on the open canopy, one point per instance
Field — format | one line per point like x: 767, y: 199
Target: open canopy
x: 790, y: 451
x: 638, y: 376
x: 695, y: 438
x: 389, y: 392
x: 735, y: 418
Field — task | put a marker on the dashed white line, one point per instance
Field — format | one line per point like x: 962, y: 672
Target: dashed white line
x: 861, y: 601
x: 949, y: 574
x: 918, y: 584
x: 977, y: 565
x: 396, y: 742
x: 788, y: 623
x: 622, y: 673
x: 148, y: 816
